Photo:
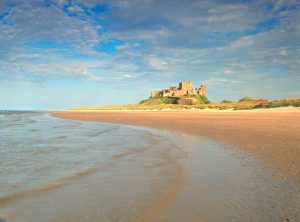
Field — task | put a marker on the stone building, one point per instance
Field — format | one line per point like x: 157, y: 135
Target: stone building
x: 185, y: 88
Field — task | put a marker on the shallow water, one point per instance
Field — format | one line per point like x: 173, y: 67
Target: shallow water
x: 37, y: 150
x: 61, y: 170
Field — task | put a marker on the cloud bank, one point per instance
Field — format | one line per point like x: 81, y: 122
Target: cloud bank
x: 235, y: 47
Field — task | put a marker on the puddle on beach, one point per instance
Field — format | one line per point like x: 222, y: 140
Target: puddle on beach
x: 141, y: 174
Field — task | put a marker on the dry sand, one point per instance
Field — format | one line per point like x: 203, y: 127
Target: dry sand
x: 272, y: 135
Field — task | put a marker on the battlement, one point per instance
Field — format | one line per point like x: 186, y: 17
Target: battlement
x: 185, y: 88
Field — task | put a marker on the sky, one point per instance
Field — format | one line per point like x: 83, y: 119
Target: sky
x: 56, y: 54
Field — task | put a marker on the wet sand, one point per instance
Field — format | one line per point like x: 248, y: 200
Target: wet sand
x: 177, y: 176
x: 273, y: 136
x: 125, y: 185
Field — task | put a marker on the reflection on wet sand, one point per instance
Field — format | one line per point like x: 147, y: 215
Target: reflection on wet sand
x: 152, y: 175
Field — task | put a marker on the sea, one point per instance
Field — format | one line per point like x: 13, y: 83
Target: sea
x: 67, y: 170
x: 38, y: 151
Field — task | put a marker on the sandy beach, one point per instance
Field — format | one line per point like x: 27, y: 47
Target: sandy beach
x: 271, y: 135
x: 156, y: 166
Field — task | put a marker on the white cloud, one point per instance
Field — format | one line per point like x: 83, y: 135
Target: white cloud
x: 130, y: 76
x: 197, y: 61
x: 162, y: 43
x: 75, y: 9
x: 27, y: 23
x: 244, y: 41
x: 229, y: 71
x: 157, y: 63
x: 217, y: 81
x: 283, y: 52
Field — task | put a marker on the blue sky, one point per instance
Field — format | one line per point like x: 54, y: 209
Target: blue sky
x: 57, y: 54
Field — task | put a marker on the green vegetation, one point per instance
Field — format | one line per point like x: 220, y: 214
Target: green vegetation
x: 159, y: 101
x: 232, y: 105
x: 246, y: 98
x: 202, y: 99
x: 151, y: 101
x: 226, y: 101
x: 169, y: 100
x: 167, y: 103
x: 196, y: 100
x: 280, y: 103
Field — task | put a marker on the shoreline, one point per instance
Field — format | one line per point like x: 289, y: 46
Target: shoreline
x: 273, y: 135
x: 159, y: 171
x: 105, y: 185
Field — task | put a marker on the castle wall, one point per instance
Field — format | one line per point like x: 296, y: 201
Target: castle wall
x: 185, y: 88
x: 179, y: 93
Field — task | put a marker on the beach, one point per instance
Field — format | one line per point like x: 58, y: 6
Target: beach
x: 242, y: 166
x: 158, y: 166
x: 272, y: 135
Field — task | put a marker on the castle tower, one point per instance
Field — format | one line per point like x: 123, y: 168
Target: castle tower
x: 186, y: 86
x: 154, y: 94
x: 203, y: 90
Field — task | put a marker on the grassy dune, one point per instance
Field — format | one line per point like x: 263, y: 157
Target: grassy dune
x: 280, y: 103
x: 157, y: 104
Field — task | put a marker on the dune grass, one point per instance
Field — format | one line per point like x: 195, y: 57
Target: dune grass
x: 197, y: 99
x: 280, y: 103
x: 159, y: 101
x: 158, y: 104
x: 246, y: 98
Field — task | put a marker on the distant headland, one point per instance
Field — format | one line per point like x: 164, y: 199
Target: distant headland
x: 185, y: 96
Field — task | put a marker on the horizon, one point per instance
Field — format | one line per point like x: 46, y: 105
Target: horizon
x: 56, y: 54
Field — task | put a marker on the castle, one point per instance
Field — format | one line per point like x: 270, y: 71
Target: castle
x: 185, y: 89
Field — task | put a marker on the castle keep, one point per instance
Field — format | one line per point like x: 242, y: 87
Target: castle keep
x: 185, y: 89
